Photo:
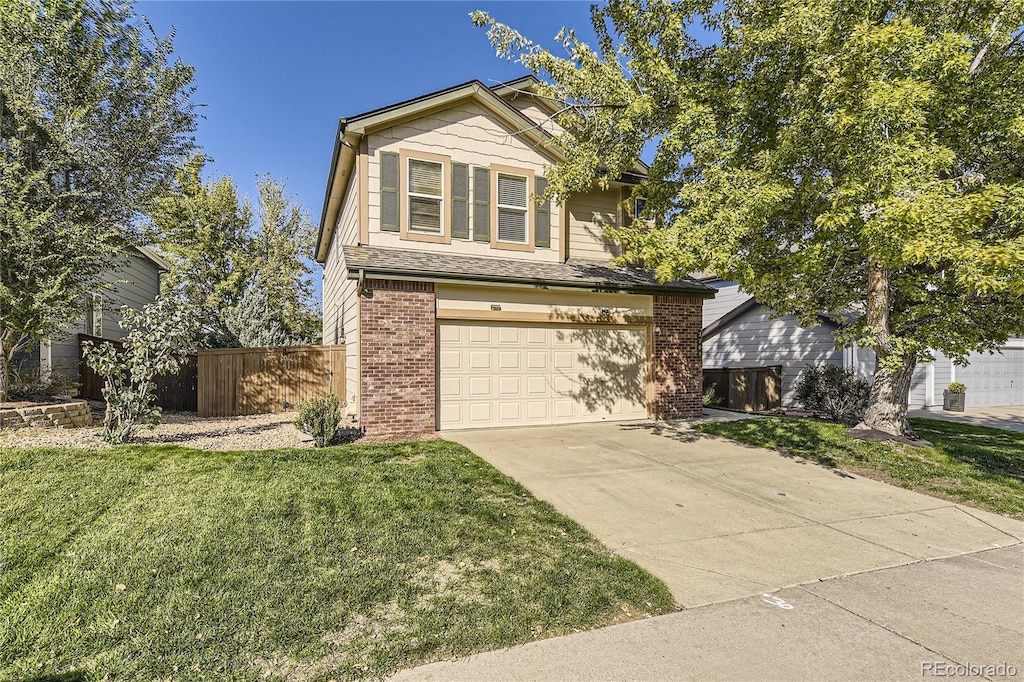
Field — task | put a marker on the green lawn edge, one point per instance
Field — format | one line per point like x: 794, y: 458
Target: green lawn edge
x: 353, y: 562
x: 978, y: 466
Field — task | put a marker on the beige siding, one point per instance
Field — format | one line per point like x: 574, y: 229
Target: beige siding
x: 535, y: 113
x: 340, y: 299
x: 134, y: 283
x: 589, y: 215
x: 564, y: 306
x: 467, y: 134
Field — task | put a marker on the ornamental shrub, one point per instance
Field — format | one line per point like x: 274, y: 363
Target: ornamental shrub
x: 832, y: 392
x: 158, y: 339
x: 956, y: 387
x: 320, y: 418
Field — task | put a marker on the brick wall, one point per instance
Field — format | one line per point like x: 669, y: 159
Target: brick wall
x: 676, y: 367
x: 397, y: 359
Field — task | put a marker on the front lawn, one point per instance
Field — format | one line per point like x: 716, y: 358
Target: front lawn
x: 350, y: 562
x: 975, y: 465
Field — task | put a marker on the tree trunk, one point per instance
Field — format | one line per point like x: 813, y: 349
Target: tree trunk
x: 887, y: 404
x: 890, y: 388
x: 5, y: 372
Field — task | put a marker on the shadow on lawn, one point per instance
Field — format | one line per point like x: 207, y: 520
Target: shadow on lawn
x: 58, y: 677
x: 992, y: 451
x: 799, y: 440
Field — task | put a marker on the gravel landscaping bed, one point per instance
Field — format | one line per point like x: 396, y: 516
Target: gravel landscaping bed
x: 255, y: 432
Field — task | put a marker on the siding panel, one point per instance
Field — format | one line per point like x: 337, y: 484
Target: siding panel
x: 755, y: 340
x: 727, y: 297
x: 468, y: 135
x: 340, y: 301
x: 589, y: 215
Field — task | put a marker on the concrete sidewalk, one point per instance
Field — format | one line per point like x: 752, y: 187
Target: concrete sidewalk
x: 893, y: 624
x: 717, y: 520
x: 1010, y: 417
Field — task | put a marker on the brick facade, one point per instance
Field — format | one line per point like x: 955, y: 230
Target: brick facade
x: 676, y: 367
x: 397, y: 349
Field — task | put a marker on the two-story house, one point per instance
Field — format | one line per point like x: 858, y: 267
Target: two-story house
x: 464, y: 302
x: 133, y: 280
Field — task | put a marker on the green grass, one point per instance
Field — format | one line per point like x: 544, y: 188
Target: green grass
x: 349, y: 562
x: 975, y: 465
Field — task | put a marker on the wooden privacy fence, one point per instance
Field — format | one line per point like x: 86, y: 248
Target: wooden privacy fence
x: 176, y: 392
x: 754, y: 389
x: 237, y: 381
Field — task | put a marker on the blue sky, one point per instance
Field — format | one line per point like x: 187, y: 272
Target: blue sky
x: 274, y: 77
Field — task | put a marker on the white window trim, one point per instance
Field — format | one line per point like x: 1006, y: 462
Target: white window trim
x: 524, y: 209
x: 409, y: 194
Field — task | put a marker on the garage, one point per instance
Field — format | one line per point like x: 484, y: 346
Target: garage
x: 494, y: 374
x: 994, y: 379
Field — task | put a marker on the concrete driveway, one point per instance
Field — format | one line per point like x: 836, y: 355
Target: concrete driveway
x: 719, y: 521
x: 1010, y: 417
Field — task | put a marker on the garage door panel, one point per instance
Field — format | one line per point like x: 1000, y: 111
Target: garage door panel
x: 511, y: 411
x: 563, y: 360
x: 509, y: 386
x: 507, y: 375
x: 480, y: 413
x: 480, y: 359
x: 451, y: 387
x: 536, y: 360
x: 994, y: 379
x: 480, y: 387
x: 538, y: 412
x: 537, y: 386
x: 508, y: 359
x: 451, y: 413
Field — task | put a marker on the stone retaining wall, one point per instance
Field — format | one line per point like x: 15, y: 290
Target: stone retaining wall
x: 62, y: 415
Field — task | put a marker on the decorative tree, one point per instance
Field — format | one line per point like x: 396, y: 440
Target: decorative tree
x: 94, y: 115
x: 159, y: 338
x: 217, y: 254
x: 833, y: 156
x: 255, y: 322
x: 204, y: 231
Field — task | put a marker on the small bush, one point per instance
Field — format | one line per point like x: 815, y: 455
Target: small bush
x: 320, y: 417
x: 30, y: 384
x: 833, y: 392
x: 157, y: 340
x: 956, y: 387
x: 709, y: 399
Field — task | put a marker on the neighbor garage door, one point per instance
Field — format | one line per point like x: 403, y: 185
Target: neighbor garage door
x: 994, y: 378
x: 494, y: 375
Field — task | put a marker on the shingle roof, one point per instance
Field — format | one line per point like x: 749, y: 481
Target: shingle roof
x: 585, y: 274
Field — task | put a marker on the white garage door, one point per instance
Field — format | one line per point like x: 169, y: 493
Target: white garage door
x: 530, y: 375
x: 994, y: 378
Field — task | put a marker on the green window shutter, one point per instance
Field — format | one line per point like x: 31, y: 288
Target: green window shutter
x: 460, y: 201
x: 543, y: 213
x: 482, y: 204
x: 389, y: 195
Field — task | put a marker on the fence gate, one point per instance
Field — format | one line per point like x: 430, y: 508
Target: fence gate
x: 754, y: 389
x: 239, y: 381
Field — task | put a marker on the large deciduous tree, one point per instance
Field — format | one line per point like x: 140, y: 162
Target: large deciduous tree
x: 853, y: 157
x: 220, y: 251
x: 94, y: 116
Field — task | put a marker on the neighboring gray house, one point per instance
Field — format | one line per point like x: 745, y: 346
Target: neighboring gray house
x: 740, y: 332
x: 134, y: 283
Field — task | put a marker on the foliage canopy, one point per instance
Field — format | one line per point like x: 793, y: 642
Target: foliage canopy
x: 832, y: 156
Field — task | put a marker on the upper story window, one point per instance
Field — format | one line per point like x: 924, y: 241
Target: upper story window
x: 513, y: 209
x: 426, y: 196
